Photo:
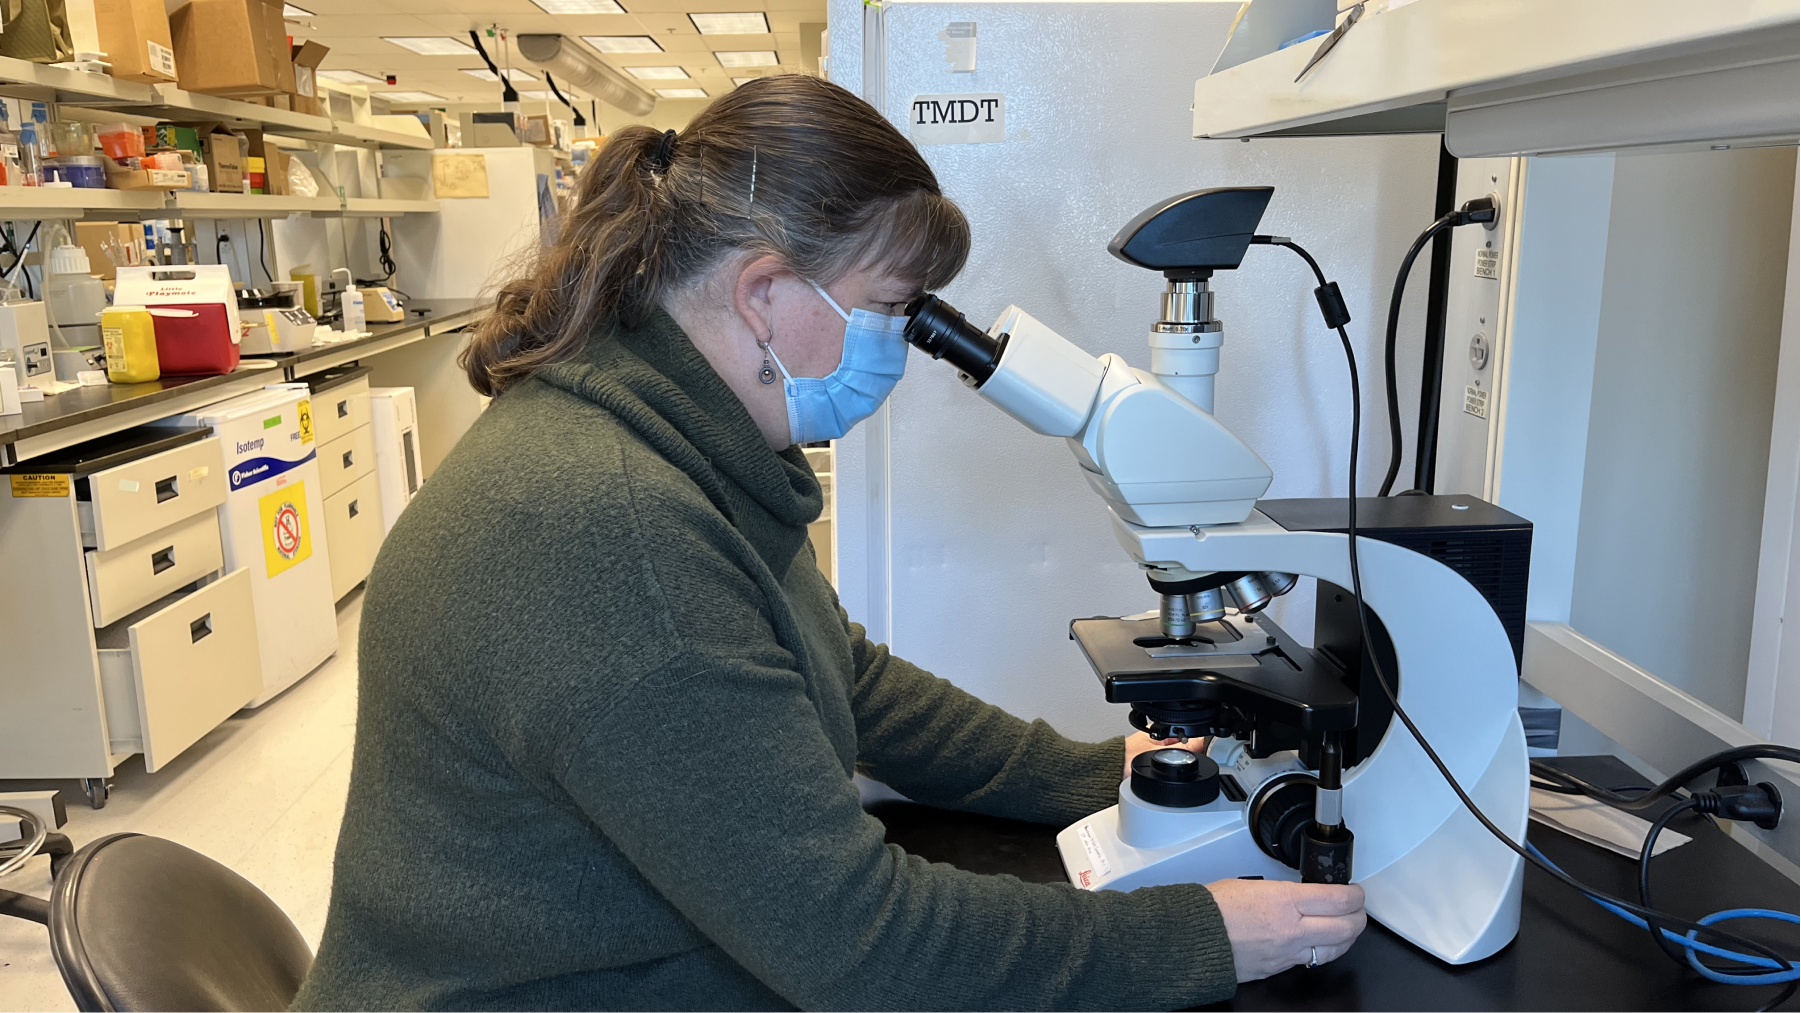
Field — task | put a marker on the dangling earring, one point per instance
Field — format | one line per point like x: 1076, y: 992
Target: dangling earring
x: 767, y: 373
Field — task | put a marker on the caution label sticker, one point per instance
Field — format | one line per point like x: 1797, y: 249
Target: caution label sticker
x: 287, y: 540
x: 306, y: 422
x: 39, y: 486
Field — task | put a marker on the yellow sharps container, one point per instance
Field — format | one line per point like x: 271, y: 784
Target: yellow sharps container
x: 129, y: 334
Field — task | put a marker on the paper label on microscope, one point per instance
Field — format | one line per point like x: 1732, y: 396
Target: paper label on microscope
x: 1488, y: 264
x: 1475, y: 401
x: 957, y: 119
x: 1096, y: 857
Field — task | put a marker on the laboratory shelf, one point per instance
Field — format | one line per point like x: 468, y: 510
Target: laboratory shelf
x: 23, y: 79
x: 1531, y: 77
x: 364, y: 135
x: 193, y: 204
x: 36, y: 203
x: 373, y: 207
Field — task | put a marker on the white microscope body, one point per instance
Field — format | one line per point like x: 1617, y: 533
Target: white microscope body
x: 1182, y: 492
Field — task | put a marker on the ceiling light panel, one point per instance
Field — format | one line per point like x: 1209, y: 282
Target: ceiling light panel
x: 682, y: 92
x: 409, y: 97
x: 579, y: 6
x: 658, y: 73
x: 623, y: 43
x: 739, y: 82
x: 350, y: 77
x: 484, y: 74
x: 431, y: 45
x: 754, y: 23
x: 536, y: 96
x: 291, y: 11
x: 753, y: 58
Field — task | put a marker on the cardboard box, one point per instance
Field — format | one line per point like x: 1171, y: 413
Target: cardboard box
x: 224, y: 162
x: 307, y: 58
x: 275, y: 163
x: 147, y: 179
x: 134, y: 35
x: 168, y: 135
x: 235, y: 48
x: 92, y: 237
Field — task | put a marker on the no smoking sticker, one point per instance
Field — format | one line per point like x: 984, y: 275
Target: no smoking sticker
x: 286, y: 541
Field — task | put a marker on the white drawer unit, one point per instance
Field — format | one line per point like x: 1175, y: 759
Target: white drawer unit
x: 131, y: 576
x: 347, y: 468
x: 341, y: 407
x: 127, y: 502
x: 353, y: 529
x: 347, y: 458
x: 175, y: 669
x: 120, y: 630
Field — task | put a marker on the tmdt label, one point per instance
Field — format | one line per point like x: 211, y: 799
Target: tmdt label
x: 957, y: 119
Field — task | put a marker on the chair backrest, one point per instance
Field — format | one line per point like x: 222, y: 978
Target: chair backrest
x: 140, y: 923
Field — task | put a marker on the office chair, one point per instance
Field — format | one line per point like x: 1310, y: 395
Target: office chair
x: 140, y: 923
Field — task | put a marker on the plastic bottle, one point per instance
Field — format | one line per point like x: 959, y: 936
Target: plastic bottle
x: 129, y: 333
x: 29, y: 173
x: 73, y: 297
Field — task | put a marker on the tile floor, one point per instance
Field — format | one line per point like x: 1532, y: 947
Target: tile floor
x: 262, y: 793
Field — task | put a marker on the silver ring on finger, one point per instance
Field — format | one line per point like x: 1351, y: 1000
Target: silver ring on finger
x: 1312, y: 956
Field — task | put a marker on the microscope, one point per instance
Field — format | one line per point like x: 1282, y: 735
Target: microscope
x: 1306, y: 777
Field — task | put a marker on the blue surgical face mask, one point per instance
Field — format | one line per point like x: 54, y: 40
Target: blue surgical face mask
x: 875, y: 357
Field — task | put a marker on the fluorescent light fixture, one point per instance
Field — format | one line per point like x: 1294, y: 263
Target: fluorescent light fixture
x: 578, y: 66
x: 431, y: 45
x: 623, y: 43
x: 291, y: 11
x: 484, y: 74
x: 579, y: 7
x: 739, y: 82
x: 756, y: 58
x: 658, y: 73
x: 409, y: 97
x: 682, y: 92
x: 754, y: 23
x: 536, y: 96
x: 350, y: 77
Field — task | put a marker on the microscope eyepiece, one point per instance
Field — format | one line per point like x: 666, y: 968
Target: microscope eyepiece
x: 937, y: 329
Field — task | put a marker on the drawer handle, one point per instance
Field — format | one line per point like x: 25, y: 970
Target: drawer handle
x: 162, y: 559
x: 353, y: 510
x: 344, y: 409
x: 166, y: 490
x: 349, y: 461
x: 201, y: 628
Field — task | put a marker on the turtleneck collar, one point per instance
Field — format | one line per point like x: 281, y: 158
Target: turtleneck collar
x: 655, y: 381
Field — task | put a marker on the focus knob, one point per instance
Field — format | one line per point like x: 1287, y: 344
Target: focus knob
x: 1175, y: 777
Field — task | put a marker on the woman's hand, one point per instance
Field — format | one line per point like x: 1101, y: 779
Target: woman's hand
x: 1274, y: 925
x: 1139, y: 742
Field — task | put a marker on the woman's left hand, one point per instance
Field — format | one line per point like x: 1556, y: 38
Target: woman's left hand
x: 1139, y: 742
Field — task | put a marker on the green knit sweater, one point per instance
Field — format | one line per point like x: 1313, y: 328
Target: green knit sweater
x: 609, y: 711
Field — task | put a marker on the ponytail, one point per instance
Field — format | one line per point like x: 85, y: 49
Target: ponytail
x: 788, y: 165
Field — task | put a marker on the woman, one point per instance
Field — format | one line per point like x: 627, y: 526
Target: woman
x: 609, y: 707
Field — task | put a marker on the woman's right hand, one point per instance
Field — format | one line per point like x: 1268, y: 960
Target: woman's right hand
x: 1274, y: 925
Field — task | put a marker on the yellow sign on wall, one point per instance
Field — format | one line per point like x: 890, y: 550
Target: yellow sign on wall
x: 287, y: 538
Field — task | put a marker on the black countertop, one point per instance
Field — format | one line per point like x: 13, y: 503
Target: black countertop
x: 1569, y: 955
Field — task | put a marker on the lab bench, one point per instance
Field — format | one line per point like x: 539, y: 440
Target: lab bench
x: 1569, y: 954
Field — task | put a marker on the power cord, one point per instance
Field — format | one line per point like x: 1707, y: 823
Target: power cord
x: 262, y: 245
x: 1482, y: 209
x: 1337, y: 315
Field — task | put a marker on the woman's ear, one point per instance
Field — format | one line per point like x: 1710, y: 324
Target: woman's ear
x: 751, y: 297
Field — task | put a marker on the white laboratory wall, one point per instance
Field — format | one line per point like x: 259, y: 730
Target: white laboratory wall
x: 1680, y: 419
x: 995, y: 542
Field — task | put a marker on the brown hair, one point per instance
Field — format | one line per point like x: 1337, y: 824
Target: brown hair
x: 789, y: 165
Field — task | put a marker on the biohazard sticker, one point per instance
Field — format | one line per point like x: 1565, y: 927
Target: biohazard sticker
x: 306, y: 422
x: 286, y: 537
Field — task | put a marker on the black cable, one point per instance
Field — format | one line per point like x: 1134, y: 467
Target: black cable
x: 1680, y: 779
x: 1388, y: 349
x: 385, y: 247
x: 262, y: 244
x: 1644, y: 876
x: 1781, y: 998
x: 1678, y: 924
x: 19, y: 253
x: 507, y: 94
x: 580, y: 120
